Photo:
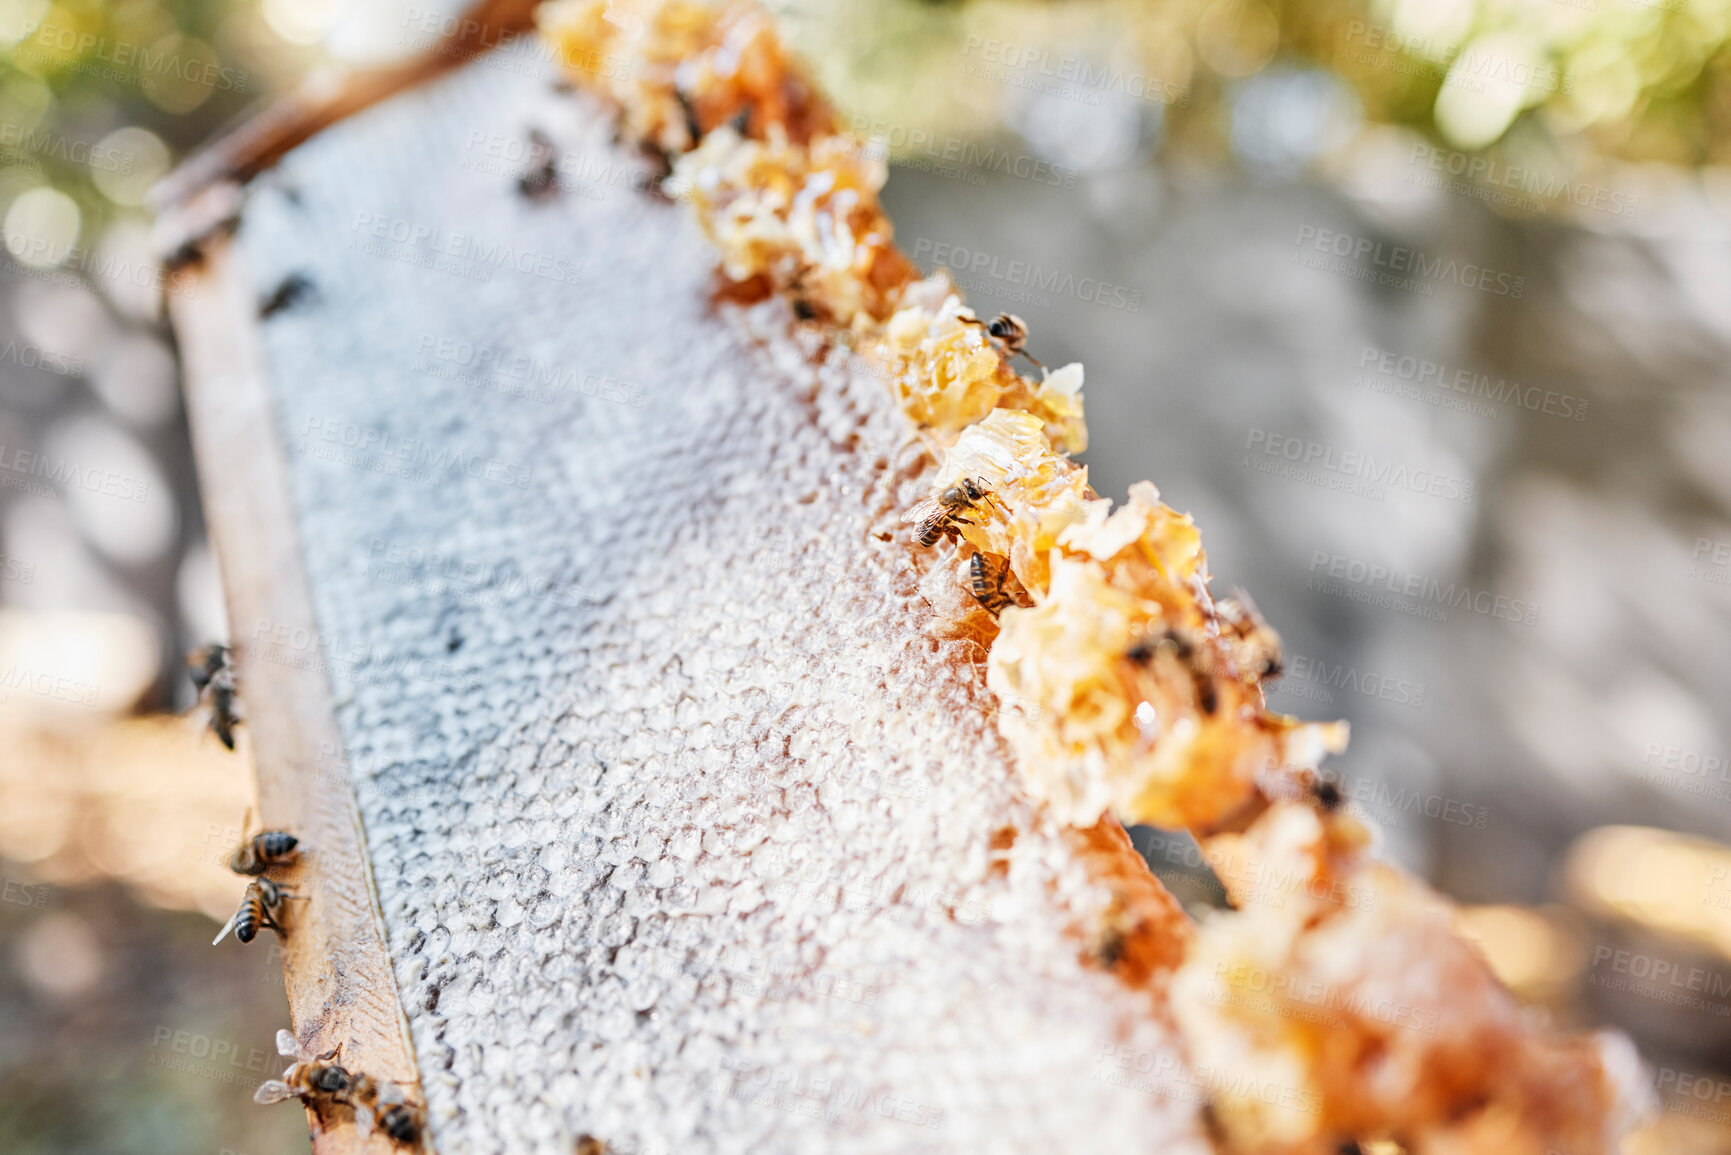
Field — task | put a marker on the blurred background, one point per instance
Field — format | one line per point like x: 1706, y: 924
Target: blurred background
x: 1422, y: 307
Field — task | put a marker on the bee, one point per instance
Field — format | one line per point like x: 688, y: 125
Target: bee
x: 541, y: 179
x: 1185, y: 652
x: 381, y: 1103
x: 1115, y: 936
x: 1256, y: 645
x: 693, y: 125
x: 314, y: 1081
x: 1011, y: 331
x: 223, y: 718
x: 290, y: 292
x: 990, y: 581
x: 937, y: 515
x: 1328, y: 795
x: 590, y: 1145
x: 262, y: 851
x: 258, y: 908
x: 213, y: 676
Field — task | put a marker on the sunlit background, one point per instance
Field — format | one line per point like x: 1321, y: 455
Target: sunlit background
x: 1485, y: 241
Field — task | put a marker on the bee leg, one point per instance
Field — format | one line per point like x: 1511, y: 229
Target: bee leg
x: 693, y: 128
x: 316, y: 1111
x: 1205, y: 693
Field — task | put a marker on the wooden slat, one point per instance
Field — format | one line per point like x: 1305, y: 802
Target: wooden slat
x: 340, y: 987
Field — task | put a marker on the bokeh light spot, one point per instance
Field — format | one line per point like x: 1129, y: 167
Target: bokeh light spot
x: 300, y: 21
x: 41, y: 227
x: 126, y: 162
x: 1237, y: 37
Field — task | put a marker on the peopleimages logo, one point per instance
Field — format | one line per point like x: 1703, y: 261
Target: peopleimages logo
x: 1330, y: 571
x: 1717, y: 569
x: 1467, y: 66
x: 1540, y: 186
x: 1358, y: 472
x: 89, y: 51
x: 960, y: 151
x: 101, y: 158
x: 1027, y: 275
x: 1308, y: 677
x: 1076, y: 76
x: 425, y: 244
x: 1702, y: 1096
x: 1386, y: 805
x: 1479, y: 386
x: 1400, y: 259
x: 24, y: 894
x: 518, y: 374
x: 1661, y: 979
x: 510, y: 153
x: 416, y: 458
x: 1254, y: 988
x: 1689, y: 771
x: 70, y: 475
x: 1164, y: 1074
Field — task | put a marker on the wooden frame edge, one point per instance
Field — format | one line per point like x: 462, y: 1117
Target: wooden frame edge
x: 336, y: 962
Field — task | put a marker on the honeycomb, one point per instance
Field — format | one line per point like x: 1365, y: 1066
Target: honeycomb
x: 1125, y: 687
x: 1341, y: 976
x: 685, y: 835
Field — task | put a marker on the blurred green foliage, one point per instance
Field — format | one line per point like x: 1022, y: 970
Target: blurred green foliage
x: 1554, y: 83
x: 97, y: 99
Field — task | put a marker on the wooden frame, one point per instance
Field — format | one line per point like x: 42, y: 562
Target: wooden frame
x: 336, y: 967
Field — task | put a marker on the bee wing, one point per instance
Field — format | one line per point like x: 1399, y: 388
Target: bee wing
x: 922, y: 509
x: 390, y: 1095
x: 226, y: 927
x: 273, y: 1091
x: 364, y: 1119
x: 286, y: 1045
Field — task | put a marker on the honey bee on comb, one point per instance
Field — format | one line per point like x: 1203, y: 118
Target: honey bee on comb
x: 1189, y: 654
x: 1011, y: 332
x: 1255, y: 645
x: 992, y: 583
x: 540, y: 180
x: 936, y: 516
x: 1328, y: 794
